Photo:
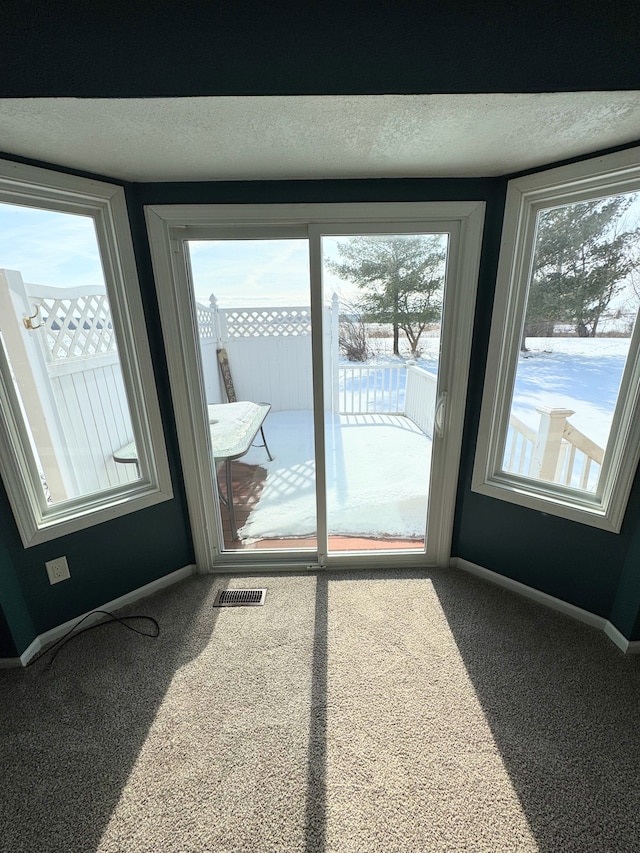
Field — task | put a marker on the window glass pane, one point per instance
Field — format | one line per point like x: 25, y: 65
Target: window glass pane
x: 253, y: 305
x: 581, y: 308
x: 384, y: 296
x: 59, y: 341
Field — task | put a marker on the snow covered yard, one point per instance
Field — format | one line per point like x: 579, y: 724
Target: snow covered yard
x: 378, y: 469
x: 582, y: 374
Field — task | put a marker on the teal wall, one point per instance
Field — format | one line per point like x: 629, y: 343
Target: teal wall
x: 154, y: 48
x: 143, y: 50
x: 590, y: 568
x: 16, y: 625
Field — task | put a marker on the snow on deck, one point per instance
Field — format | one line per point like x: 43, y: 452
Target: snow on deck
x: 378, y: 469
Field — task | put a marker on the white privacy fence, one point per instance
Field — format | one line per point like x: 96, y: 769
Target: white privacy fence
x: 269, y: 353
x: 67, y: 372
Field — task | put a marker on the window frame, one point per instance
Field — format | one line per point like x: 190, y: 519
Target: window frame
x: 526, y: 196
x: 37, y: 521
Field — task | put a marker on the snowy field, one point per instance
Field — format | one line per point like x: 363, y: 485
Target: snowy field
x: 582, y: 374
x: 378, y: 469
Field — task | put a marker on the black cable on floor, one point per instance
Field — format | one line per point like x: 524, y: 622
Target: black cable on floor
x: 73, y: 632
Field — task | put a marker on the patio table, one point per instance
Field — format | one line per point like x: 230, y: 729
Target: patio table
x: 233, y: 428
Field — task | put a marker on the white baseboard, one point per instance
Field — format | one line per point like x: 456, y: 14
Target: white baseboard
x: 90, y: 617
x: 10, y: 663
x: 627, y: 646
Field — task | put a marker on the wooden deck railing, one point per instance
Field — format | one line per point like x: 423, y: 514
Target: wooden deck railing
x: 521, y: 441
x: 367, y: 389
x: 580, y: 459
x: 420, y: 401
x: 558, y: 452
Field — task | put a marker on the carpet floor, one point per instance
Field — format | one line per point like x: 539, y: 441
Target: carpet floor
x: 353, y: 712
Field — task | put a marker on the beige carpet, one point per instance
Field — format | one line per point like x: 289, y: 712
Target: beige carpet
x: 353, y: 712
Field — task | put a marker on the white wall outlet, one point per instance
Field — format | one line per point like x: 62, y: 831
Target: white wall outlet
x: 57, y: 569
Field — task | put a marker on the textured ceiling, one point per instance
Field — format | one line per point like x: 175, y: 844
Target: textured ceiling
x: 378, y: 136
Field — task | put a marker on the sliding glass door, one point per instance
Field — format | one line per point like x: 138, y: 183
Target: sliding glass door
x: 326, y: 378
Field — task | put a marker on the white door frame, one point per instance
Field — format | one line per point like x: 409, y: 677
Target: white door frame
x: 170, y: 225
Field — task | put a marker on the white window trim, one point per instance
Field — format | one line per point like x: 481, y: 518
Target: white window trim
x: 38, y: 522
x: 602, y: 176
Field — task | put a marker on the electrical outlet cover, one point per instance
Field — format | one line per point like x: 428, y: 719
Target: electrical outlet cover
x: 58, y: 570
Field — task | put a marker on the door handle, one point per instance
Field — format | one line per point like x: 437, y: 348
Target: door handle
x: 440, y: 413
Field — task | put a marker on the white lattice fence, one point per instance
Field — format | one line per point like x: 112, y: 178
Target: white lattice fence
x: 79, y: 364
x: 77, y: 322
x: 269, y: 351
x: 265, y: 322
x: 205, y: 317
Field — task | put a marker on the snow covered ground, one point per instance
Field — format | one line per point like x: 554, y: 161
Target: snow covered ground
x: 378, y: 465
x: 582, y: 374
x: 378, y: 469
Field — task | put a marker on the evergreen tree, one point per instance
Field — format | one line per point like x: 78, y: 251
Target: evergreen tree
x: 402, y: 279
x: 581, y: 261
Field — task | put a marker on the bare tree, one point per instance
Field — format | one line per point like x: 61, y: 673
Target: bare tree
x: 352, y: 332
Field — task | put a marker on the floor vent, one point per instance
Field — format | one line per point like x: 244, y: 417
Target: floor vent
x: 240, y: 598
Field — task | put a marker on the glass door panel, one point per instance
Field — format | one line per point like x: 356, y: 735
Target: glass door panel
x: 383, y: 297
x: 253, y: 311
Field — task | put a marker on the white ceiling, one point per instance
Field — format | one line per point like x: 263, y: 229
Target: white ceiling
x: 341, y: 136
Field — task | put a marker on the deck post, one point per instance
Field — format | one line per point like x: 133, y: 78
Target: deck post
x: 216, y: 320
x: 546, y: 451
x: 26, y: 360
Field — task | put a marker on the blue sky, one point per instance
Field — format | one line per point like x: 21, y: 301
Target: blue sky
x: 48, y: 247
x: 61, y: 250
x: 262, y: 273
x: 258, y: 273
x: 251, y: 272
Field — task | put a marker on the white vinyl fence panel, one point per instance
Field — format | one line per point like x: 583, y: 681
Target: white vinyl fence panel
x: 93, y: 410
x: 74, y: 364
x: 420, y: 404
x: 208, y: 335
x: 269, y: 353
x: 272, y: 370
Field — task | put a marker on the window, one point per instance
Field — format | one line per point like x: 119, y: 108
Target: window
x: 80, y: 432
x: 559, y: 428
